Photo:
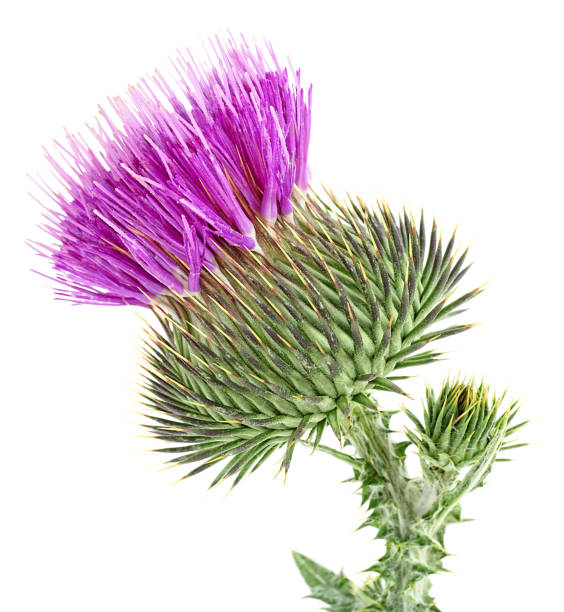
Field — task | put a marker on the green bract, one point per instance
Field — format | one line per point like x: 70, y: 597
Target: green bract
x: 279, y: 342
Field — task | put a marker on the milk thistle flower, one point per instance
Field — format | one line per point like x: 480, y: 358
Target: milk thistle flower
x: 282, y: 315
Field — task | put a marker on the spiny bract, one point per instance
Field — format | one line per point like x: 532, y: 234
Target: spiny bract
x: 278, y: 342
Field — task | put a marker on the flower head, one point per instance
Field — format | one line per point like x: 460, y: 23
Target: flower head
x: 171, y: 181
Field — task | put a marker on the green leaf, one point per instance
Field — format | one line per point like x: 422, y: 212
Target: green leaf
x: 327, y: 586
x: 313, y: 573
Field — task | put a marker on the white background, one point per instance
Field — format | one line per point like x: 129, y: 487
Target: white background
x: 456, y: 107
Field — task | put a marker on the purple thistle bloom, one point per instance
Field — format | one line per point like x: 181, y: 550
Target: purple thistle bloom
x: 143, y: 215
x: 256, y: 118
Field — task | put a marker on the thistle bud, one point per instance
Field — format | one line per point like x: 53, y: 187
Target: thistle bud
x: 460, y: 424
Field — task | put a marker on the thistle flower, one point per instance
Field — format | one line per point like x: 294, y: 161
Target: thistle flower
x: 281, y: 312
x: 174, y: 182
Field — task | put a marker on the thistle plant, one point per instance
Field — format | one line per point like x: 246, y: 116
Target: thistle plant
x: 280, y: 315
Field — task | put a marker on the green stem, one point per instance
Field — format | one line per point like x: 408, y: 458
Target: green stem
x: 396, y: 510
x: 333, y: 452
x: 381, y: 454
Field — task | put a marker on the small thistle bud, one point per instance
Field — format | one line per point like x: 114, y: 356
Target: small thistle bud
x: 459, y: 425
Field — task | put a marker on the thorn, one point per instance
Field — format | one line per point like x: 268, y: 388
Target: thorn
x: 179, y: 480
x: 220, y: 481
x: 230, y: 489
x: 167, y: 467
